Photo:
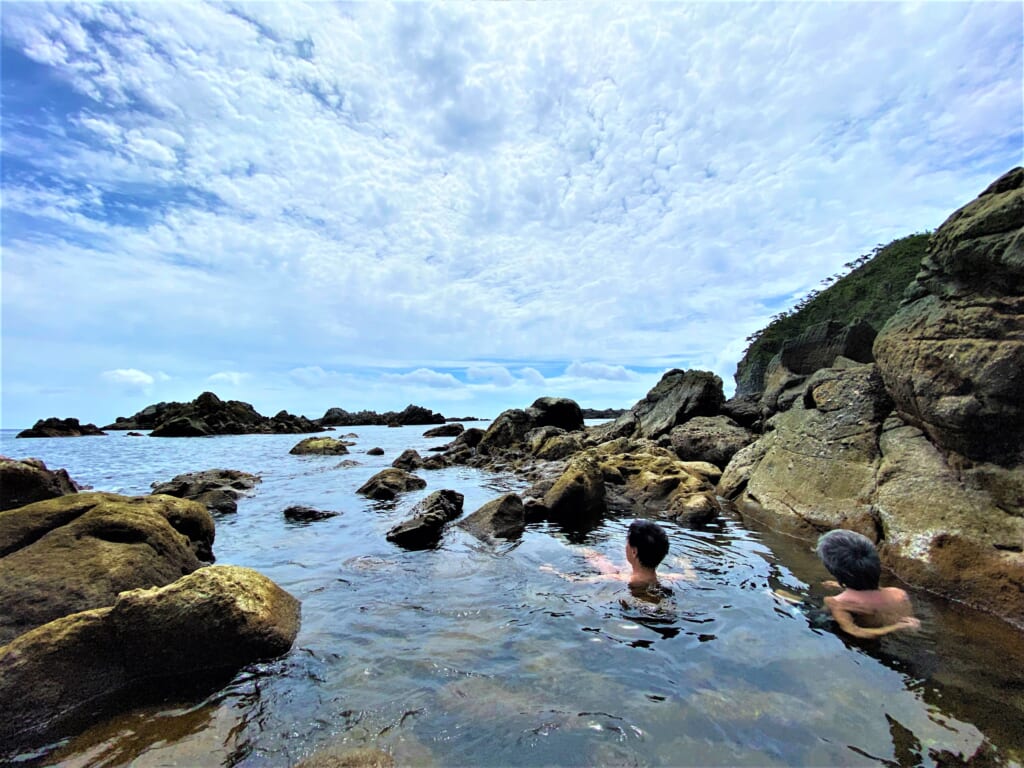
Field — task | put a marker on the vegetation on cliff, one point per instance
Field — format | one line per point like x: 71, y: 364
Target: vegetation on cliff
x: 871, y: 291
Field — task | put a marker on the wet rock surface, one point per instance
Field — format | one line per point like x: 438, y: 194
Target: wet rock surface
x: 29, y: 480
x: 216, y: 489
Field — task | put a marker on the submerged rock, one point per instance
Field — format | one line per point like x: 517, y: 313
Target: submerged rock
x: 27, y: 481
x: 503, y: 517
x: 322, y: 446
x: 429, y: 517
x: 216, y: 489
x: 219, y: 618
x: 390, y: 482
x: 77, y: 552
x: 301, y: 514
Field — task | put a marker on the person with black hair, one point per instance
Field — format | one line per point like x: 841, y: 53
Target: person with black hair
x: 646, y: 547
x: 862, y: 609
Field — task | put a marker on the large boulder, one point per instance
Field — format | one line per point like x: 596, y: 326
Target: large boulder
x: 509, y: 431
x: 215, y: 620
x: 816, y: 468
x: 54, y: 427
x: 715, y: 439
x: 952, y: 358
x: 577, y: 497
x: 388, y: 483
x: 28, y: 480
x: 677, y: 398
x: 409, y: 459
x: 503, y: 517
x: 77, y: 552
x: 320, y: 446
x: 216, y: 489
x: 423, y: 528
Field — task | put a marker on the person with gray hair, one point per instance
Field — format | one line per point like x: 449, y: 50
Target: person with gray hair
x: 862, y: 609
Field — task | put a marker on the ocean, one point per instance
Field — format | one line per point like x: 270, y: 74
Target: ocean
x: 472, y: 654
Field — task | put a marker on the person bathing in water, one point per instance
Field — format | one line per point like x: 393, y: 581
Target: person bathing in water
x: 646, y: 547
x: 862, y: 609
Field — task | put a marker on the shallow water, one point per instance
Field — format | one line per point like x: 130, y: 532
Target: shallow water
x: 471, y: 655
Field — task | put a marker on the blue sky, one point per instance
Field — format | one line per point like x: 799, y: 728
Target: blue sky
x: 460, y: 206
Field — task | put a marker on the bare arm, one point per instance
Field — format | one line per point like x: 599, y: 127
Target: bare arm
x: 844, y: 619
x: 602, y: 563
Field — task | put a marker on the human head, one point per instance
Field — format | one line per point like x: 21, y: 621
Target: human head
x: 850, y: 557
x: 649, y: 540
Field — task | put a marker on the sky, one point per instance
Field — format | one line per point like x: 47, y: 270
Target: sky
x: 461, y: 206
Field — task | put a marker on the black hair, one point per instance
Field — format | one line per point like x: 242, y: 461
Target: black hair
x: 650, y: 540
x: 851, y: 557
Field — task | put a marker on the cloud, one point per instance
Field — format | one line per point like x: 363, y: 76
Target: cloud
x: 129, y: 378
x: 491, y: 374
x: 599, y: 371
x: 232, y: 378
x: 403, y: 187
x: 424, y: 377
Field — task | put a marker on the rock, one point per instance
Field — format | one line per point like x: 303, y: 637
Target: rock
x: 342, y: 757
x: 817, y: 466
x: 953, y: 357
x: 409, y: 459
x: 54, y: 427
x: 558, y: 412
x: 435, y: 462
x: 219, y: 618
x: 715, y: 439
x: 135, y: 434
x: 509, y: 431
x: 216, y: 489
x: 375, y: 452
x: 320, y: 446
x: 429, y: 517
x: 446, y: 430
x: 645, y: 480
x: 411, y: 415
x: 300, y: 514
x: 745, y: 410
x: 77, y: 552
x: 552, y: 443
x: 209, y: 415
x: 578, y: 496
x: 946, y: 535
x: 677, y: 398
x: 390, y: 482
x: 503, y: 517
x: 27, y: 481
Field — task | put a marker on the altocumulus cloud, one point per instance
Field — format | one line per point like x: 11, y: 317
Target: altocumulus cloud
x: 130, y: 378
x: 365, y: 188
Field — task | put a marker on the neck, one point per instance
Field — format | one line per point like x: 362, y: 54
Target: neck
x: 643, y: 575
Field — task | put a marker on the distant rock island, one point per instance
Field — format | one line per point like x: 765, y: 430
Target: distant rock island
x: 605, y: 413
x: 60, y: 428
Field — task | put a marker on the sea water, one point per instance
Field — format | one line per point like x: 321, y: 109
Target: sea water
x: 472, y: 654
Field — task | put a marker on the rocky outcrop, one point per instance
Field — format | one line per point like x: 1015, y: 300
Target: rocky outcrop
x: 446, y: 430
x: 55, y: 427
x: 217, y: 619
x: 375, y: 452
x: 209, y: 415
x: 423, y: 528
x: 952, y: 358
x: 677, y: 398
x: 509, y: 430
x: 409, y: 459
x: 503, y: 517
x: 551, y: 443
x: 77, y: 552
x: 577, y: 497
x: 411, y: 415
x: 715, y: 439
x: 388, y: 483
x: 28, y: 480
x: 923, y: 452
x: 216, y: 489
x: 321, y: 446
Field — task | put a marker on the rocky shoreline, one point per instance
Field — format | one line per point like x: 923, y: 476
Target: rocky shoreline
x: 916, y: 441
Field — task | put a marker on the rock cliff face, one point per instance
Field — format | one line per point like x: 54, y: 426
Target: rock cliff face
x: 923, y: 451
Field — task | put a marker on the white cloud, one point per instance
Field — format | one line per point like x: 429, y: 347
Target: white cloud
x: 424, y: 377
x: 130, y: 378
x: 231, y: 378
x: 436, y: 185
x: 599, y: 371
x: 497, y: 375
